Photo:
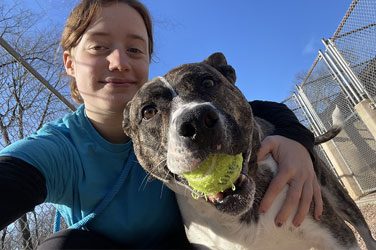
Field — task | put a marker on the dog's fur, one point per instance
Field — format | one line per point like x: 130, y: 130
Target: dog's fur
x: 177, y: 120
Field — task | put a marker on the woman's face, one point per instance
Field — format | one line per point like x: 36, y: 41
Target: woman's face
x: 111, y: 60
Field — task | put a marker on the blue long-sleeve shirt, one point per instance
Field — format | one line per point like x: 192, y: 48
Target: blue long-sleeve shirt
x: 79, y: 168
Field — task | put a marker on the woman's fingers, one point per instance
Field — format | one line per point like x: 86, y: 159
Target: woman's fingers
x: 291, y: 202
x: 317, y: 198
x: 275, y: 187
x: 304, y: 203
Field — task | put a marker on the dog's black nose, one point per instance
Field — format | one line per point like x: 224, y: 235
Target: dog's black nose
x: 187, y: 130
x: 199, y: 120
x: 210, y: 119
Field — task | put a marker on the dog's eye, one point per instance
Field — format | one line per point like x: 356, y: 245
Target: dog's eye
x: 149, y: 112
x: 208, y: 83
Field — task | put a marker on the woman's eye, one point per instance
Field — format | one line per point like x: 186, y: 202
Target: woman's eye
x: 98, y: 47
x: 149, y: 112
x: 135, y: 50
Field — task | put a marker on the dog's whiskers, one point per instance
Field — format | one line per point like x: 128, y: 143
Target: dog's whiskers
x: 159, y: 164
x: 144, y: 181
x: 163, y: 184
x: 149, y: 174
x: 179, y: 183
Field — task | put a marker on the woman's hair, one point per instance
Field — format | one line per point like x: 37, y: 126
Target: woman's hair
x: 80, y: 18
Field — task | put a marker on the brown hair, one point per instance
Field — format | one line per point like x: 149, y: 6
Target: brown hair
x: 80, y: 18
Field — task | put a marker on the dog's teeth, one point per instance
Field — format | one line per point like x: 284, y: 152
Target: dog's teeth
x: 219, y: 196
x: 216, y: 197
x: 240, y: 179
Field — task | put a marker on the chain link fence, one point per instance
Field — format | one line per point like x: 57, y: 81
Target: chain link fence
x: 355, y: 40
x: 25, y: 106
x: 344, y: 75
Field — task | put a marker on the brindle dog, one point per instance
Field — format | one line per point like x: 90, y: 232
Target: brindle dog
x: 177, y: 120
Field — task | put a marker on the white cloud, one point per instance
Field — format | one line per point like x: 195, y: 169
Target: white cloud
x: 310, y: 47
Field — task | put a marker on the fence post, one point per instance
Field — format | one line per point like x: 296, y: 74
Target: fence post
x: 367, y: 112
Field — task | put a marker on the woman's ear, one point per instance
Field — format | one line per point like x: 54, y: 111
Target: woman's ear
x: 68, y: 63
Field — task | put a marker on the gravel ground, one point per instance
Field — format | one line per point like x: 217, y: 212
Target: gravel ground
x: 369, y: 213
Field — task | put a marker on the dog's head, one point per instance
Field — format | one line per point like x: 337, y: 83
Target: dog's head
x: 177, y: 120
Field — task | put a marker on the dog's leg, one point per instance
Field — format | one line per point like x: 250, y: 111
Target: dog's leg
x: 353, y: 215
x: 366, y: 236
x: 358, y: 221
x: 343, y: 204
x: 338, y: 237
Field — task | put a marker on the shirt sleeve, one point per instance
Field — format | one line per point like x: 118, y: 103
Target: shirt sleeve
x: 285, y: 122
x: 47, y: 151
x: 22, y: 187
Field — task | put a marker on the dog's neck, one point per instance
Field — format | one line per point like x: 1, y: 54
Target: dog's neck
x: 256, y: 137
x: 261, y: 177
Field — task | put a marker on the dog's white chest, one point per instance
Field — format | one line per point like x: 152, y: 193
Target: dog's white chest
x: 206, y: 231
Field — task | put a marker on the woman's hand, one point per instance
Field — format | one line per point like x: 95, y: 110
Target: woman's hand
x: 296, y: 169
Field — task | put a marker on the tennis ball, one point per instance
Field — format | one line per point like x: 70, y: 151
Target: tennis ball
x: 215, y: 174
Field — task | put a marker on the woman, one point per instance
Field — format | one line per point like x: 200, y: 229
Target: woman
x: 75, y: 162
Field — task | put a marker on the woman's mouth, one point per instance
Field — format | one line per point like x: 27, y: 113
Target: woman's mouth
x: 119, y: 82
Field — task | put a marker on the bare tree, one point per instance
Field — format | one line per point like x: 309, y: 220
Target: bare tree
x: 26, y: 104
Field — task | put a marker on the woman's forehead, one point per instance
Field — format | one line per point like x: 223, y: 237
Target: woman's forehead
x: 117, y: 18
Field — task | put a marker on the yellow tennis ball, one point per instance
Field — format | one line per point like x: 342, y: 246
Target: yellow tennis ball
x: 215, y: 174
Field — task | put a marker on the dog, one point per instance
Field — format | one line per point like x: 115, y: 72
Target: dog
x: 177, y: 120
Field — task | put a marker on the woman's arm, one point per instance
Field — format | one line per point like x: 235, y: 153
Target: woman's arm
x: 22, y: 187
x: 285, y: 122
x: 292, y: 147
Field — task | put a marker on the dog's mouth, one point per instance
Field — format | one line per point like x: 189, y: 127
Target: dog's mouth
x: 235, y: 200
x: 236, y: 188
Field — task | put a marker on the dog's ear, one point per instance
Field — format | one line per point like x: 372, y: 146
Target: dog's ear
x: 218, y: 61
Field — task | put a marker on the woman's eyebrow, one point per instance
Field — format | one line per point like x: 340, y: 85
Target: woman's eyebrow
x: 101, y: 33
x: 138, y: 37
x: 97, y: 33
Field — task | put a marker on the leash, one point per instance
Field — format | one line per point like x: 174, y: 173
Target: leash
x: 102, y: 205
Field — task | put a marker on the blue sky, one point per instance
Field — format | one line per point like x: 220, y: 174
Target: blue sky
x: 267, y: 42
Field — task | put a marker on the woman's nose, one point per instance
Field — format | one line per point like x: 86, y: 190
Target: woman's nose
x: 118, y: 60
